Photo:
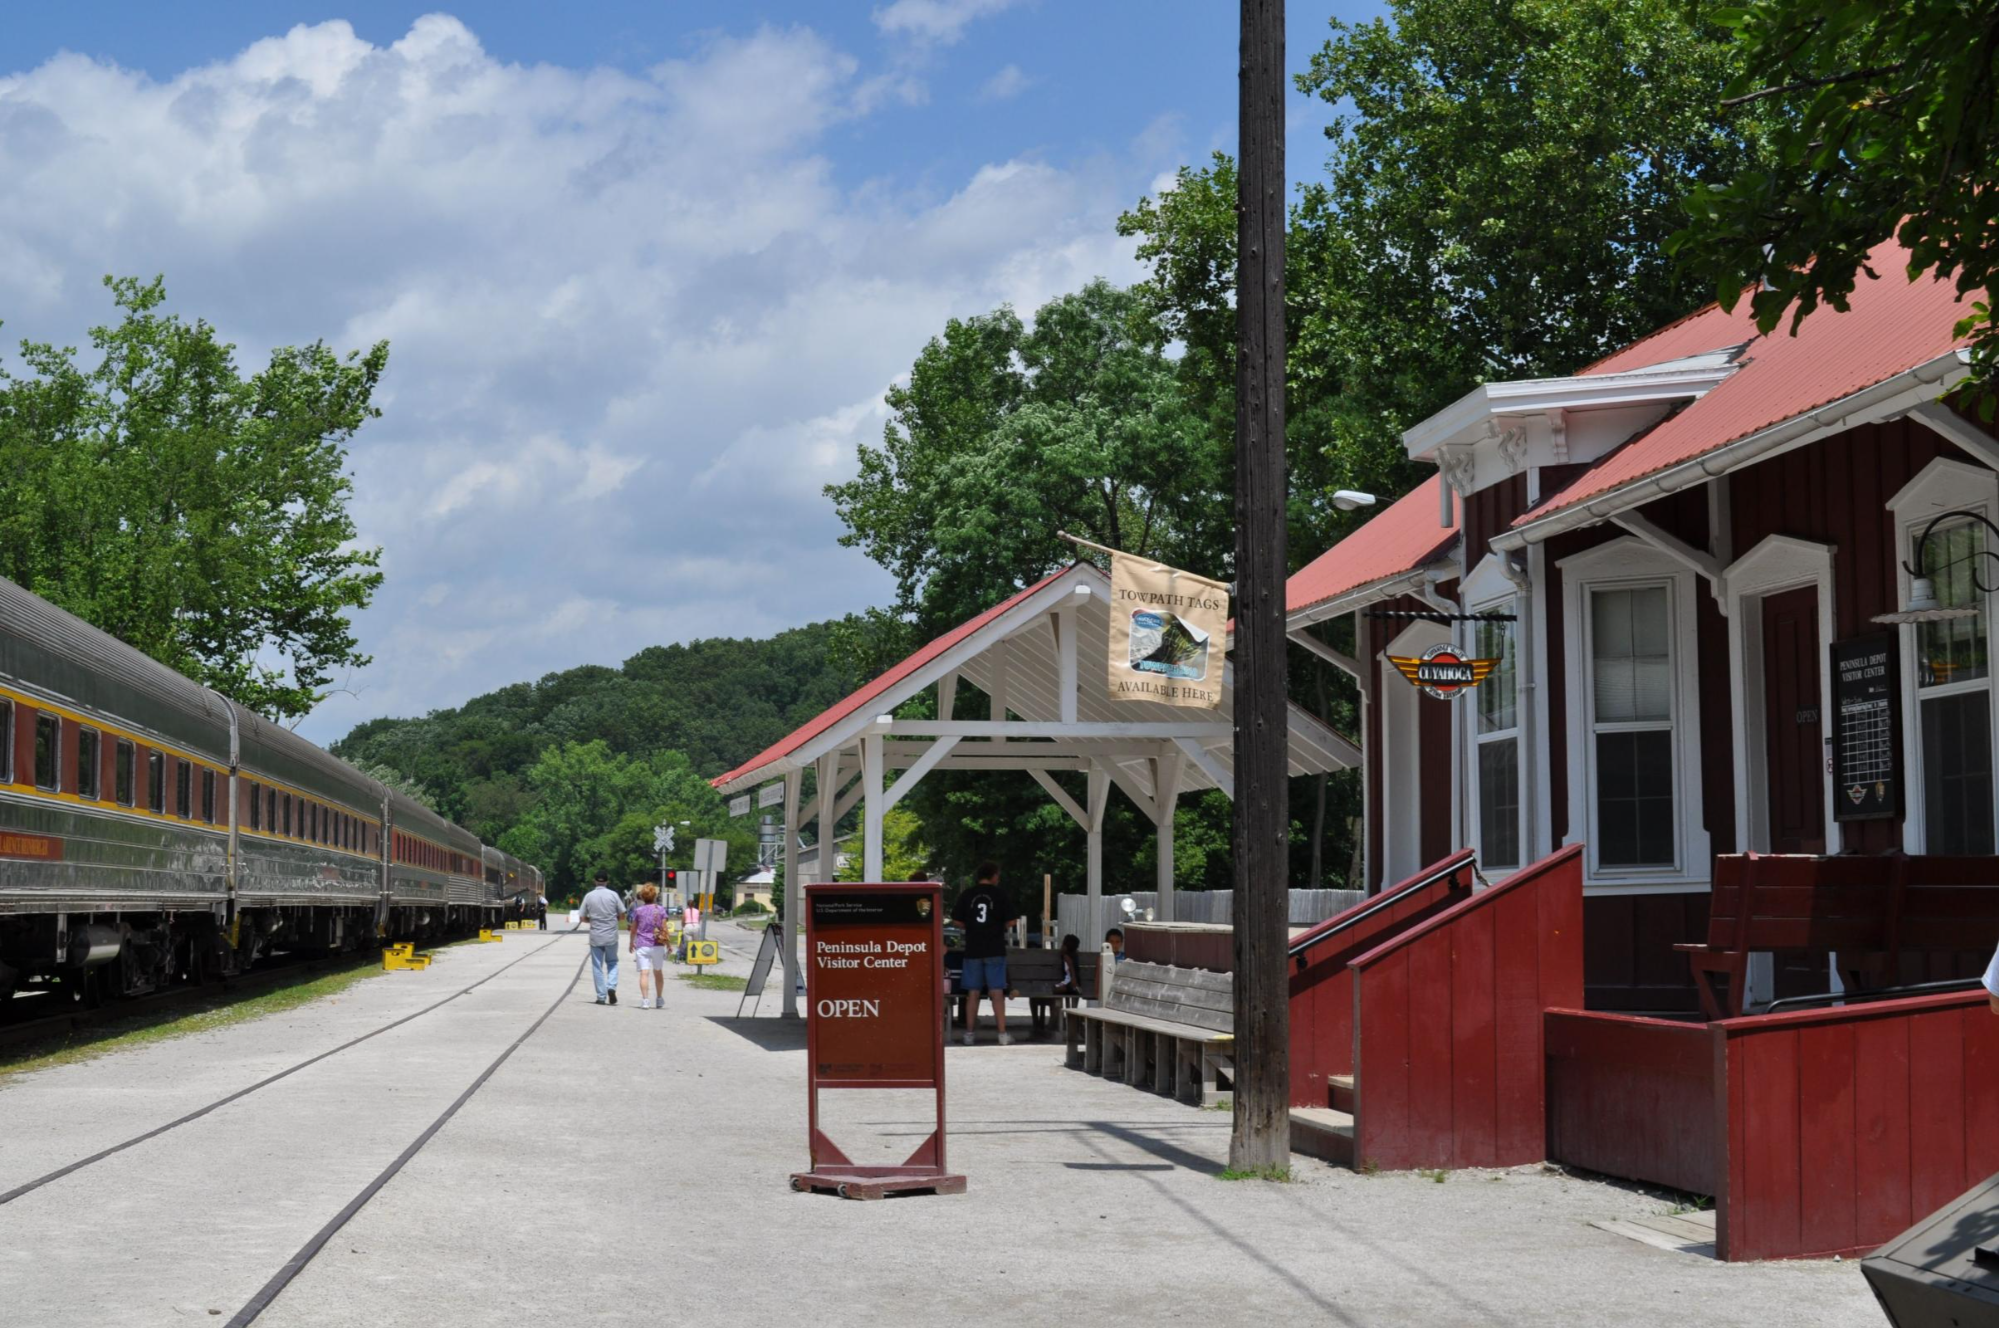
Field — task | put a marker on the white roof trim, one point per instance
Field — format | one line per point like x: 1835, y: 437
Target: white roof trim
x: 1464, y: 420
x: 1885, y: 400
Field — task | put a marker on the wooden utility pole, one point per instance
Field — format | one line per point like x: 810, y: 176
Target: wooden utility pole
x: 1262, y: 1134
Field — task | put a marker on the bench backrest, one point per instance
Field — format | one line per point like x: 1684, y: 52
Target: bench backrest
x: 1042, y: 965
x: 1196, y: 996
x: 1784, y: 901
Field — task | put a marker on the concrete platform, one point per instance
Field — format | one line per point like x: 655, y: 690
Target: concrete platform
x: 631, y: 1166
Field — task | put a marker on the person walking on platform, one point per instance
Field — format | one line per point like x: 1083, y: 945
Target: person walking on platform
x: 601, y: 909
x: 985, y: 912
x: 541, y: 911
x: 649, y: 947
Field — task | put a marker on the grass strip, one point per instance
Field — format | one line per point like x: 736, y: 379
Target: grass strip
x: 143, y: 1029
x: 715, y: 981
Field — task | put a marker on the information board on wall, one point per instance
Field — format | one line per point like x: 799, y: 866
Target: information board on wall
x: 1867, y: 728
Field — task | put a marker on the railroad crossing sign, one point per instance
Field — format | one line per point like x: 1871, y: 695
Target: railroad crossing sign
x: 662, y: 839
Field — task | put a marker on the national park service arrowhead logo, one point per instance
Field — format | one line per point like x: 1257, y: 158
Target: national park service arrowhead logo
x: 1443, y: 671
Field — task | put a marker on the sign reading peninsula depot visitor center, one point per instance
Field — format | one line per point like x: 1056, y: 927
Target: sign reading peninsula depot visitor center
x: 1168, y: 630
x: 874, y: 958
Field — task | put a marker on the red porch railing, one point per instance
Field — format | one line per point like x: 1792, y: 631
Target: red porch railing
x: 1632, y: 1097
x: 1845, y: 1126
x: 1449, y: 1062
x: 1820, y: 1132
x: 1322, y: 1029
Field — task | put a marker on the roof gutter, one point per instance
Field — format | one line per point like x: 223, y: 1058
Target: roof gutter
x: 1883, y: 400
x: 1415, y: 582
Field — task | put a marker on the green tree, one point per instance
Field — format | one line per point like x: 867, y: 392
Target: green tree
x: 1885, y: 125
x: 195, y: 513
x: 1006, y: 434
x: 905, y: 857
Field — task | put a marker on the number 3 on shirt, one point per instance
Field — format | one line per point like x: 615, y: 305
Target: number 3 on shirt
x: 982, y: 906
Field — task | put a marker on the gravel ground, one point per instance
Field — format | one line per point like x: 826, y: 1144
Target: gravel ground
x: 630, y: 1166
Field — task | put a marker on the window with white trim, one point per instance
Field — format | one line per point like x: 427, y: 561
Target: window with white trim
x: 1631, y: 726
x: 1496, y: 740
x: 1633, y: 704
x: 1954, y: 699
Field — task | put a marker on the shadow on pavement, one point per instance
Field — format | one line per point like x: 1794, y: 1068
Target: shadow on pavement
x: 768, y: 1033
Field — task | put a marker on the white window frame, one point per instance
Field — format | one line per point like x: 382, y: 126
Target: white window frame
x: 1941, y: 486
x: 1487, y: 590
x: 1628, y: 563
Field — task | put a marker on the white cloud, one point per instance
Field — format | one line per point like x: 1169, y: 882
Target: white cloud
x: 940, y: 22
x: 637, y: 321
x: 1008, y: 83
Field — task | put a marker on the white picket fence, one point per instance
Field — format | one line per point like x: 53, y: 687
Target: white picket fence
x: 1307, y: 907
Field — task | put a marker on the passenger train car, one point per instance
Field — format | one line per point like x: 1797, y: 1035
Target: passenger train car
x: 151, y: 830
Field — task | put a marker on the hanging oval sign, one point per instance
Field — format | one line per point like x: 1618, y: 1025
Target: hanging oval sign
x: 1443, y: 671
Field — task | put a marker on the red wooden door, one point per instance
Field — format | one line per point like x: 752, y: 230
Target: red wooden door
x: 1792, y: 722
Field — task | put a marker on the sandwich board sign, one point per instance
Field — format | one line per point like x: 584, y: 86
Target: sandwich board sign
x: 874, y: 1019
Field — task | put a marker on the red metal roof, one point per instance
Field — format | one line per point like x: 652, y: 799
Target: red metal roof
x: 1892, y: 325
x: 1402, y: 538
x: 860, y: 699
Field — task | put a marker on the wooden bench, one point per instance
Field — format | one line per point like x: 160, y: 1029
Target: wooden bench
x: 1168, y: 1029
x: 1870, y: 910
x: 1033, y: 974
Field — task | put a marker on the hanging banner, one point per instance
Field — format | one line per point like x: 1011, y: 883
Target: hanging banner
x: 1168, y: 630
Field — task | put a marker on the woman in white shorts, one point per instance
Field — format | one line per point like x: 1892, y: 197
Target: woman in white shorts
x: 649, y: 947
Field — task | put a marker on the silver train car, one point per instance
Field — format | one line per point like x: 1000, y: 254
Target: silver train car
x: 152, y: 831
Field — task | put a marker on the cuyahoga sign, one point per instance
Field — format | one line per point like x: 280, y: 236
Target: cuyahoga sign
x: 1443, y: 670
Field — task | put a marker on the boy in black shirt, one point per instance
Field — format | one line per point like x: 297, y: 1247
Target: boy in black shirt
x: 985, y: 912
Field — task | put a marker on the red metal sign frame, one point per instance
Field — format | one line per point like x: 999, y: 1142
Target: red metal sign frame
x: 832, y: 1170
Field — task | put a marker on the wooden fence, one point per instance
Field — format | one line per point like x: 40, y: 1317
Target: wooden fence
x: 1448, y: 1057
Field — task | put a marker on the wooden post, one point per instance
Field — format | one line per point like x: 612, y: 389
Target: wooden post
x: 1262, y: 1129
x: 794, y: 889
x: 1048, y: 938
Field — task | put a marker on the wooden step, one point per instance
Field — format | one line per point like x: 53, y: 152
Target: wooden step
x: 1322, y: 1133
x: 1339, y: 1088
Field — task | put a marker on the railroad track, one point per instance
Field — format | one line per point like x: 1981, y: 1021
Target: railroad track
x: 29, y: 1187
x: 77, y: 1018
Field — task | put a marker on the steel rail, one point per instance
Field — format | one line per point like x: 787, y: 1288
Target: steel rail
x: 30, y: 1187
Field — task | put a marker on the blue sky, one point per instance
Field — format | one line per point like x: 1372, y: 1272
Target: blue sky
x: 645, y: 269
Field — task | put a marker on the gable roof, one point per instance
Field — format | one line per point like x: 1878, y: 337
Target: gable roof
x: 860, y: 699
x: 1403, y: 537
x: 1892, y: 326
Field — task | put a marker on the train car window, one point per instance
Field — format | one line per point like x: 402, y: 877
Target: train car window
x: 183, y: 790
x: 89, y: 757
x: 48, y: 752
x: 271, y: 808
x: 208, y: 795
x: 6, y: 741
x: 122, y: 772
x: 256, y: 808
x: 156, y: 782
x: 286, y: 803
x: 312, y: 823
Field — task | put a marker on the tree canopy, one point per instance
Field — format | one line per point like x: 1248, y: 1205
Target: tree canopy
x: 1006, y: 434
x: 1885, y: 124
x: 197, y: 514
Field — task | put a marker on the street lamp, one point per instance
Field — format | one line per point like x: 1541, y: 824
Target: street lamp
x: 1348, y: 499
x: 1923, y: 605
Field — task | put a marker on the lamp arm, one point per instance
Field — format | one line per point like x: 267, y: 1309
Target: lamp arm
x: 1914, y: 567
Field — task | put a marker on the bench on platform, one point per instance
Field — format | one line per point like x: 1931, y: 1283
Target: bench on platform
x: 1033, y: 974
x: 1168, y: 1029
x: 1869, y: 910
